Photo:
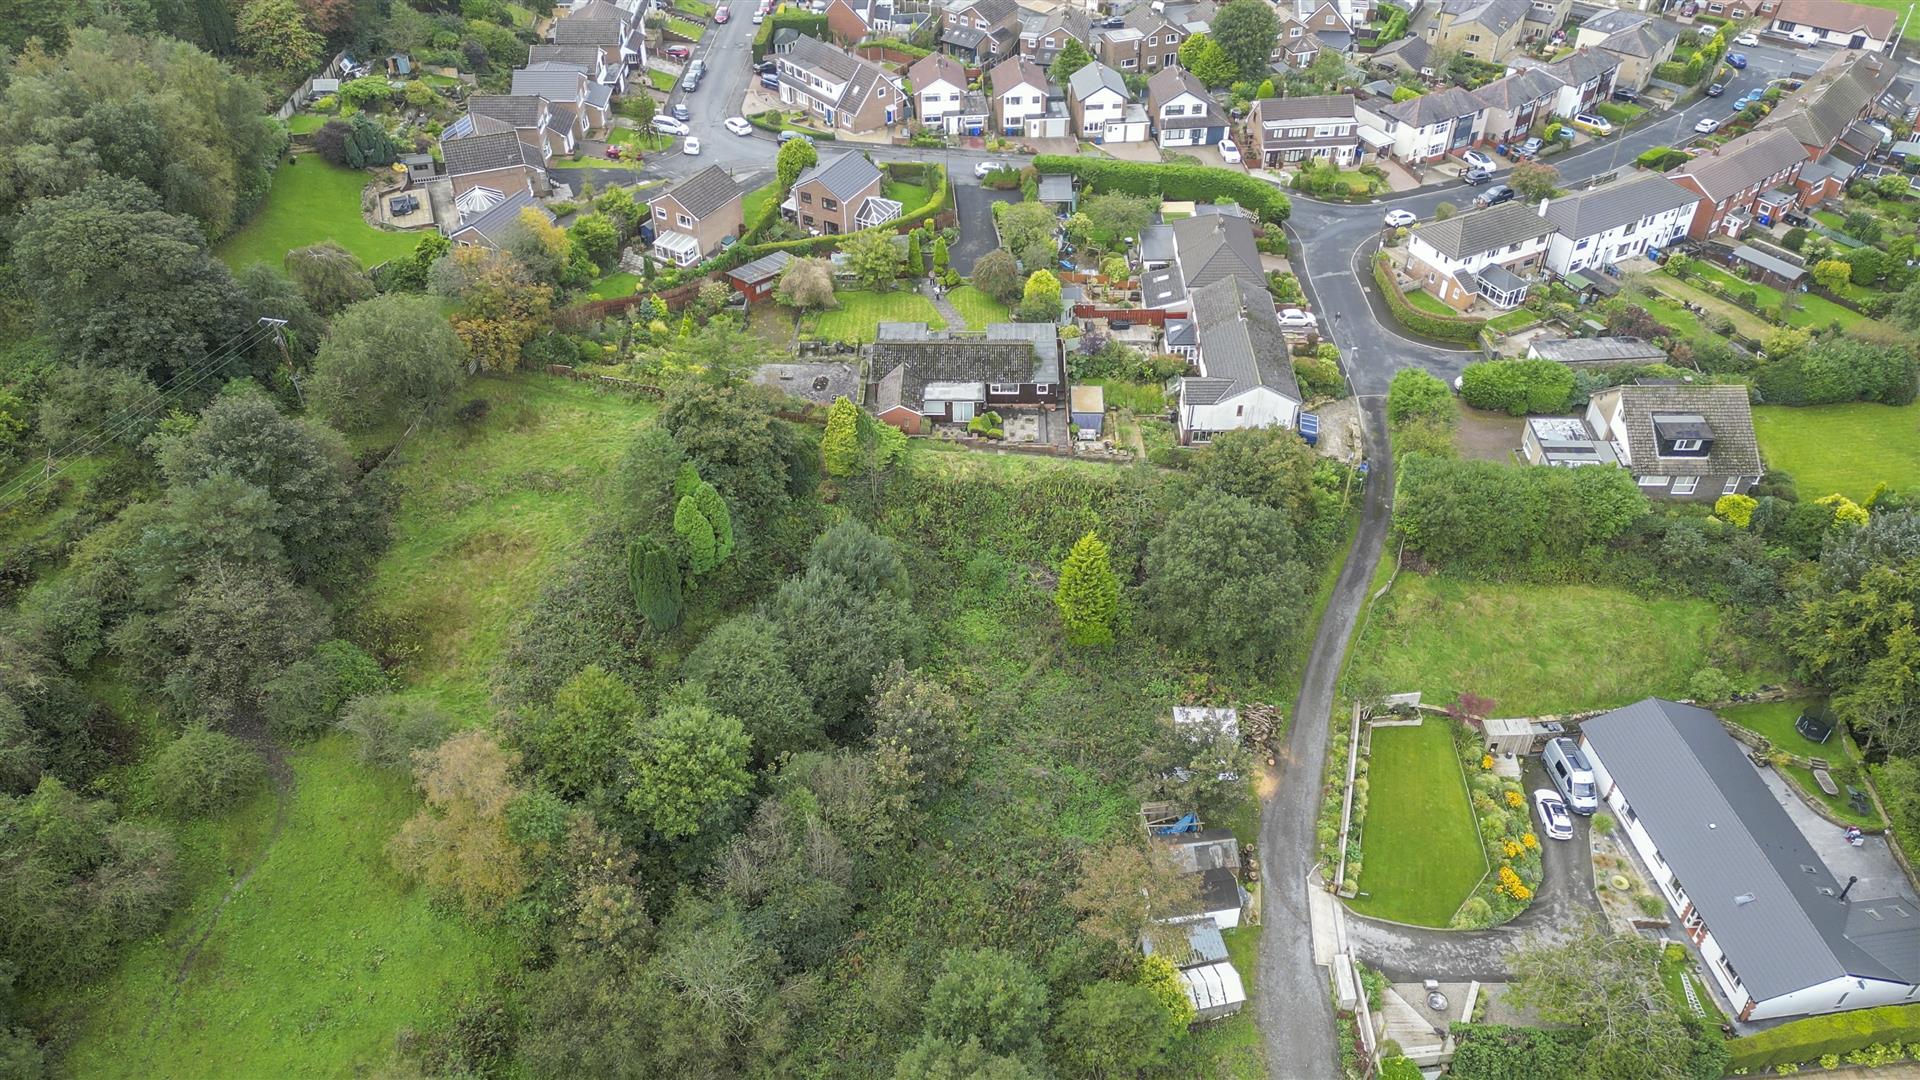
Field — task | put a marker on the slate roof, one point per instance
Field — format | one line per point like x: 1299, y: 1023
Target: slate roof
x: 1016, y: 71
x: 936, y: 67
x: 1496, y: 15
x: 1612, y: 21
x: 1645, y: 40
x: 520, y: 110
x: 1412, y: 51
x: 965, y: 37
x: 846, y: 176
x: 991, y: 10
x: 1241, y: 344
x: 1742, y: 162
x: 1435, y: 107
x: 1770, y: 902
x: 1641, y: 195
x: 1045, y: 339
x: 1211, y: 247
x: 705, y: 191
x: 1084, y: 83
x: 1315, y: 107
x: 588, y: 57
x: 1838, y: 16
x: 1821, y: 110
x: 481, y: 153
x: 489, y: 228
x: 555, y: 82
x: 911, y: 365
x: 1513, y: 91
x: 1582, y: 67
x: 1169, y: 83
x: 811, y: 52
x: 1596, y: 350
x: 1735, y: 450
x: 762, y: 268
x: 1465, y: 235
x: 1062, y: 22
x: 578, y: 30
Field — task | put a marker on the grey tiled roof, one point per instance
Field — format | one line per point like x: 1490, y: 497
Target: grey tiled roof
x: 520, y: 110
x: 1645, y: 41
x: 1045, y: 339
x: 1742, y: 162
x: 762, y: 268
x: 991, y: 10
x: 481, y: 153
x: 587, y: 57
x: 1016, y: 71
x: 846, y: 176
x: 1316, y: 107
x: 910, y: 365
x: 588, y: 31
x: 1596, y: 350
x: 1211, y: 247
x: 1433, y: 108
x: 1512, y: 91
x: 811, y: 52
x: 1612, y: 22
x: 1169, y: 83
x: 934, y: 67
x: 705, y: 191
x: 1083, y: 83
x: 1496, y: 15
x: 1593, y: 212
x: 1583, y: 67
x: 555, y: 82
x: 1820, y: 111
x: 1469, y: 234
x: 1241, y: 343
x: 1770, y: 901
x: 1735, y: 450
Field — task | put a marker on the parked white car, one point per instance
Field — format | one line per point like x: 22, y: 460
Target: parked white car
x: 739, y: 126
x: 1400, y: 218
x: 667, y: 125
x: 1554, y: 819
x: 1475, y: 159
x: 987, y: 168
x: 691, y: 147
x: 1707, y: 125
x: 1749, y: 38
x: 1229, y: 153
x: 1294, y: 317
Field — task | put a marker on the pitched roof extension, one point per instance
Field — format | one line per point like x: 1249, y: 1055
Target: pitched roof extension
x: 1241, y: 344
x: 482, y: 153
x: 1735, y: 450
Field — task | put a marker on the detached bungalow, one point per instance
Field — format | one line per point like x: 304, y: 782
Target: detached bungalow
x: 1835, y: 22
x: 1680, y: 440
x: 927, y: 378
x: 1244, y: 379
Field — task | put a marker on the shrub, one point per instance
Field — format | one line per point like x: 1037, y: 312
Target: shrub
x: 1603, y: 824
x: 1517, y: 387
x: 306, y: 699
x: 1710, y: 684
x: 1650, y: 905
x: 1319, y: 378
x: 1835, y: 1033
x: 386, y: 728
x: 1415, y: 394
x: 201, y: 771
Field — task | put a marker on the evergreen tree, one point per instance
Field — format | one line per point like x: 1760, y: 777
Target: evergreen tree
x: 916, y: 259
x: 653, y: 573
x: 706, y: 499
x: 940, y: 253
x: 840, y: 446
x: 1089, y: 593
x: 1068, y: 60
x: 696, y: 532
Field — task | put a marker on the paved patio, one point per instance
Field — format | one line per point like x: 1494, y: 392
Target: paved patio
x: 1871, y: 862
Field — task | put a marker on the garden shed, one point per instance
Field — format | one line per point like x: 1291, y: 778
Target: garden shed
x: 1088, y: 409
x: 1771, y: 269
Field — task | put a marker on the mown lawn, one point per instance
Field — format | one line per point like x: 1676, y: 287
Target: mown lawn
x: 977, y: 307
x: 1774, y: 719
x: 311, y: 202
x: 1845, y: 448
x: 1422, y: 848
x: 1428, y: 302
x: 1533, y: 649
x: 306, y: 123
x: 911, y: 197
x: 860, y: 312
x: 754, y: 202
x: 317, y: 963
x: 1513, y: 321
x: 1813, y: 311
x: 486, y: 510
x: 613, y: 285
x: 692, y: 31
x: 1745, y: 323
x: 662, y: 80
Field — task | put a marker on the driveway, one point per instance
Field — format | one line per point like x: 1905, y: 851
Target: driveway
x: 1412, y: 953
x: 1291, y: 1001
x: 974, y: 204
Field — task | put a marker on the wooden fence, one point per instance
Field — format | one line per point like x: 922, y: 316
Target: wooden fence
x: 299, y: 96
x: 1138, y: 315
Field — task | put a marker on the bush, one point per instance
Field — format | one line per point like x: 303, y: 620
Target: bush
x: 1442, y: 327
x: 1836, y: 1033
x: 1414, y: 395
x: 1517, y: 387
x: 1319, y: 378
x: 1710, y: 684
x: 1195, y: 182
x: 1486, y: 514
x: 306, y: 699
x: 201, y: 771
x: 1660, y: 159
x: 386, y: 728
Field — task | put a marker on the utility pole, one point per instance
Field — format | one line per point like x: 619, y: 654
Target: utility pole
x: 280, y: 339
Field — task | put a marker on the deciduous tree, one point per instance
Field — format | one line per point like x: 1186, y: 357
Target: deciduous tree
x: 1222, y: 579
x: 840, y: 637
x: 988, y: 996
x: 872, y: 257
x: 840, y: 443
x: 201, y: 771
x: 795, y: 157
x: 1606, y: 984
x: 577, y: 742
x: 1040, y: 299
x: 392, y: 356
x: 459, y: 845
x: 328, y: 276
x: 686, y: 762
x: 1088, y: 595
x: 997, y: 274
x: 1203, y: 56
x: 1071, y: 58
x: 1245, y: 31
x: 1117, y: 1030
x: 807, y: 284
x: 743, y: 667
x: 1126, y: 884
x: 1534, y: 180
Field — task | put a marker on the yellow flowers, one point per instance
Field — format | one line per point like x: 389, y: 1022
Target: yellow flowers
x: 1515, y: 799
x: 1511, y: 884
x: 1487, y: 762
x: 1512, y: 848
x: 1530, y: 840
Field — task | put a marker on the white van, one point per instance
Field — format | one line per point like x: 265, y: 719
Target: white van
x: 1569, y: 770
x: 1805, y: 35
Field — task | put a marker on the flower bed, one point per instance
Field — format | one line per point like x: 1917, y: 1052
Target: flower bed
x: 1506, y: 829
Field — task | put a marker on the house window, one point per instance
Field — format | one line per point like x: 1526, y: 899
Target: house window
x: 1686, y: 446
x: 684, y: 221
x: 1684, y: 485
x: 660, y: 212
x: 1652, y: 481
x: 1473, y: 37
x: 1003, y: 388
x: 1174, y: 110
x: 1732, y: 485
x: 1128, y: 62
x: 1295, y: 32
x: 806, y: 198
x: 1043, y: 388
x: 829, y: 204
x: 1154, y: 41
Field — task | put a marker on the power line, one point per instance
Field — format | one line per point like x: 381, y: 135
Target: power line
x: 149, y: 401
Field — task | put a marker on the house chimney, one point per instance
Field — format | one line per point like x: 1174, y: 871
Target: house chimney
x: 1851, y: 878
x: 1543, y: 207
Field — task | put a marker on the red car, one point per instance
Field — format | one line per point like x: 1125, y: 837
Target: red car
x: 679, y: 52
x: 721, y: 14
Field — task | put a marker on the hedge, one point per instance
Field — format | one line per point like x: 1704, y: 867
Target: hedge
x: 778, y: 123
x: 1194, y: 182
x: 1442, y: 327
x: 1517, y: 387
x: 1661, y: 158
x: 814, y: 245
x: 1834, y: 1033
x: 813, y: 26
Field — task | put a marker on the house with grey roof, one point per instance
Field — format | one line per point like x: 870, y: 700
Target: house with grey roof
x: 489, y: 228
x: 1181, y: 110
x: 841, y: 195
x: 1600, y: 227
x: 486, y: 169
x: 1044, y: 33
x: 611, y: 28
x: 568, y: 88
x: 1281, y: 130
x: 535, y: 119
x: 1778, y: 931
x: 1846, y: 88
x: 980, y: 31
x: 843, y: 91
x: 1515, y: 102
x: 589, y: 60
x: 1732, y: 178
x: 925, y: 377
x: 1680, y: 440
x: 1102, y: 109
x: 1640, y: 40
x: 1485, y: 30
x: 1187, y: 254
x: 1243, y: 375
x: 1427, y: 127
x: 1489, y: 255
x: 693, y: 218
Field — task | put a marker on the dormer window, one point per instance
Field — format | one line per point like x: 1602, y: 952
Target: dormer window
x: 1682, y: 435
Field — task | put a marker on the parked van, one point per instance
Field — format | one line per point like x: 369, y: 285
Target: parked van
x: 1568, y: 768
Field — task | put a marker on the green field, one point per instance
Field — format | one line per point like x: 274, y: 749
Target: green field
x: 313, y: 967
x: 1533, y: 649
x: 860, y: 312
x: 1845, y: 448
x: 978, y: 308
x: 1423, y: 854
x: 485, y: 512
x: 311, y: 202
x: 1813, y: 311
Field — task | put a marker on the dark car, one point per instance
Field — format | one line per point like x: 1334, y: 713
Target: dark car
x: 1737, y: 61
x: 770, y: 81
x: 1626, y: 93
x: 1716, y: 90
x: 766, y: 67
x: 680, y: 112
x: 1476, y: 176
x: 1494, y: 196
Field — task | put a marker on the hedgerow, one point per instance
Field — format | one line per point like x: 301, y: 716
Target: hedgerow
x: 1195, y: 182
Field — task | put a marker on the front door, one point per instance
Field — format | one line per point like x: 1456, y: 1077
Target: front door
x: 962, y: 411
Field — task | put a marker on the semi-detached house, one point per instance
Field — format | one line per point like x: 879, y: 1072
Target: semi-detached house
x: 1428, y: 127
x: 1487, y: 254
x: 1732, y: 178
x: 1601, y: 227
x: 1023, y: 101
x: 1281, y: 130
